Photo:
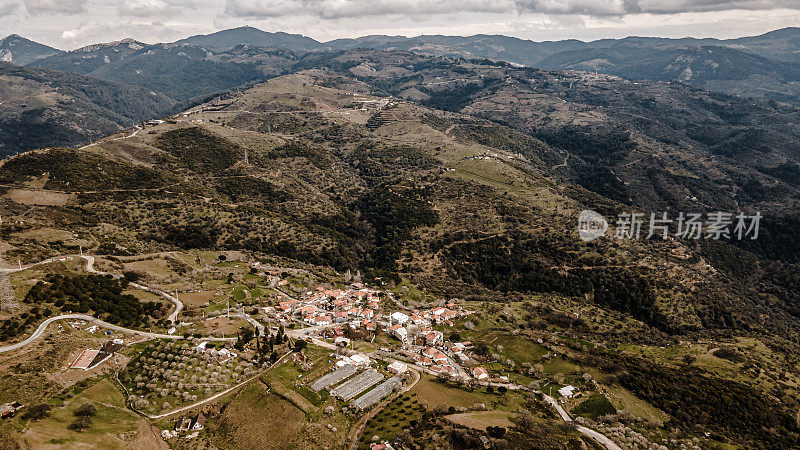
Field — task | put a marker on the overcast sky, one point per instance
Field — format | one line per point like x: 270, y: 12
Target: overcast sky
x: 69, y: 24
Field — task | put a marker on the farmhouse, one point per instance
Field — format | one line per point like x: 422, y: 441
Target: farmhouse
x: 200, y: 422
x: 567, y: 391
x: 480, y: 373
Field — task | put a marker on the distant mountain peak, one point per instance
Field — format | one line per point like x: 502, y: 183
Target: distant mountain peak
x: 232, y: 37
x: 127, y: 42
x: 19, y: 50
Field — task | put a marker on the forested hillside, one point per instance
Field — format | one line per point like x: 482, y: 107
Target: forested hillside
x: 43, y: 108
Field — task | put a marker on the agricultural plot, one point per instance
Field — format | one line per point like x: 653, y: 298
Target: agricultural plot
x: 333, y: 377
x: 375, y: 395
x: 167, y: 375
x: 256, y: 418
x: 357, y: 384
x: 403, y: 413
x: 594, y: 406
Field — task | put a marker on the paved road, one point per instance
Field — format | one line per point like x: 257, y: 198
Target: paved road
x: 554, y: 403
x: 43, y: 326
x: 137, y: 128
x: 297, y: 333
x: 28, y: 266
x: 173, y: 316
x: 599, y: 437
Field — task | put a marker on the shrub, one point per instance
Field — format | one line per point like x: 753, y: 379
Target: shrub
x: 496, y: 432
x: 86, y: 410
x: 80, y: 423
x: 37, y: 412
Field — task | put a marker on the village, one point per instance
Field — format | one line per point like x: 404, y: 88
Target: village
x: 354, y: 343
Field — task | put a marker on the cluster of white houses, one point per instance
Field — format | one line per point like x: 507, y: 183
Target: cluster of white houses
x: 358, y: 307
x: 416, y: 328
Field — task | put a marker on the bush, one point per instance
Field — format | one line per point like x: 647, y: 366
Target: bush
x: 86, y: 410
x: 496, y: 432
x: 37, y: 412
x: 80, y: 423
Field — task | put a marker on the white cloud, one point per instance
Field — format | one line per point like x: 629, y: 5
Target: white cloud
x: 46, y: 7
x: 70, y: 23
x: 600, y: 8
x: 342, y: 9
x: 7, y: 8
x: 143, y: 7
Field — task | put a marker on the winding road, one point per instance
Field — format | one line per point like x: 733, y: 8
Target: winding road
x: 138, y: 128
x: 298, y: 333
x: 173, y: 316
x: 90, y: 268
x: 43, y: 326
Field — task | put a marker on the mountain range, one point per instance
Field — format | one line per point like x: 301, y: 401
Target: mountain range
x: 761, y: 66
x: 18, y: 50
x: 192, y: 69
x: 452, y: 168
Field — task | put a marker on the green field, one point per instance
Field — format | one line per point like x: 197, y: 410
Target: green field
x: 109, y: 428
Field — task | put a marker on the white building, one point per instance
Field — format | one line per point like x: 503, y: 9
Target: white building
x: 398, y: 317
x: 398, y: 367
x: 401, y: 334
x: 567, y: 391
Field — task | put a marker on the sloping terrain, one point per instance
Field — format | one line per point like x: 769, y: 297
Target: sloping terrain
x: 459, y: 204
x: 181, y: 72
x: 18, y: 50
x: 87, y: 59
x: 42, y: 108
x: 251, y: 36
x: 758, y: 66
x: 468, y: 183
x: 715, y: 68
